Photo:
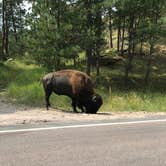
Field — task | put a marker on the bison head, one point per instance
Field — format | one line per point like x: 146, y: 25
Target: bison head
x: 93, y: 104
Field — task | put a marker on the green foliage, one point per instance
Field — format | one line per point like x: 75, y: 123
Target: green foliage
x: 53, y: 33
x: 59, y: 34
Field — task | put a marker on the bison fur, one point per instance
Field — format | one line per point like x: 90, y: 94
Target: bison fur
x: 74, y: 84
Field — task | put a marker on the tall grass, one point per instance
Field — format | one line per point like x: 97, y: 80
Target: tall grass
x: 22, y: 82
x: 23, y: 85
x: 135, y: 101
x: 29, y: 94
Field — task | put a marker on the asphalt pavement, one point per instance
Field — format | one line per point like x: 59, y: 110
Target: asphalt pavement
x: 110, y: 143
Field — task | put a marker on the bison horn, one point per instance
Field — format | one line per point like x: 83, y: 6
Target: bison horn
x: 94, y: 98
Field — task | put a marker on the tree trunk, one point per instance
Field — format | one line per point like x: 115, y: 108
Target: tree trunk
x: 98, y: 63
x: 13, y: 22
x: 88, y: 5
x: 123, y: 33
x: 135, y: 24
x: 128, y: 63
x: 98, y: 40
x: 110, y: 28
x: 58, y: 16
x: 6, y: 37
x: 141, y: 47
x: 88, y: 61
x: 74, y: 61
x: 149, y: 65
x: 5, y: 30
x: 118, y: 34
x: 58, y: 29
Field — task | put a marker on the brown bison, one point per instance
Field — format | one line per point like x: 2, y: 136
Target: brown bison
x: 74, y: 84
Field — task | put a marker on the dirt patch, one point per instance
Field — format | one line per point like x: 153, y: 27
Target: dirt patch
x: 11, y: 115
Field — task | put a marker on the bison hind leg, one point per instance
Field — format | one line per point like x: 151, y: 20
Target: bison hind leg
x: 47, y: 96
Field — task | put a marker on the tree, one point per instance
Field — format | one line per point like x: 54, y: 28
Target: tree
x: 53, y: 32
x: 56, y: 31
x: 110, y: 27
x: 88, y: 29
x: 152, y: 31
x: 12, y: 20
x: 5, y: 29
x: 98, y: 23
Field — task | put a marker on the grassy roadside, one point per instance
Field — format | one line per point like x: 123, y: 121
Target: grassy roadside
x: 22, y: 84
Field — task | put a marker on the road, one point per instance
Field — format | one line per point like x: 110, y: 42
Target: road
x: 107, y: 144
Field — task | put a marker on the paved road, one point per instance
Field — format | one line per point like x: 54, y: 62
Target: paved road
x: 120, y: 144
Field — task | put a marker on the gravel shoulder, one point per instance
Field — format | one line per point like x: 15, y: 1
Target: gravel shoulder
x: 12, y: 115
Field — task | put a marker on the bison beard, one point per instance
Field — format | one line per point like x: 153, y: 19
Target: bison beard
x: 74, y: 84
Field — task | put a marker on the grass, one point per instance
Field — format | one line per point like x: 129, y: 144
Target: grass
x: 22, y: 84
x: 137, y: 96
x: 135, y: 101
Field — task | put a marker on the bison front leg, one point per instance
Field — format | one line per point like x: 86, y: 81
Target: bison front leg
x: 81, y: 107
x: 74, y: 105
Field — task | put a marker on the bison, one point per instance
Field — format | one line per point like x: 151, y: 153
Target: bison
x: 74, y: 84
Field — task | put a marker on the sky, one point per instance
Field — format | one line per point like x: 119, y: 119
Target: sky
x: 26, y: 6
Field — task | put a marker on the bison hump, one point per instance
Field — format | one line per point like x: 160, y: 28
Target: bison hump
x: 81, y: 84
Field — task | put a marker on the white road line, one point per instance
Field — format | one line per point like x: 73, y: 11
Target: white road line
x: 83, y: 125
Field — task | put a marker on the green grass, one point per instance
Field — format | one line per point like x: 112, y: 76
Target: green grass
x: 22, y: 83
x: 136, y: 96
x: 135, y: 101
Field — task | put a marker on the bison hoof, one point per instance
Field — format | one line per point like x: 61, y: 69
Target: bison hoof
x: 75, y: 111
